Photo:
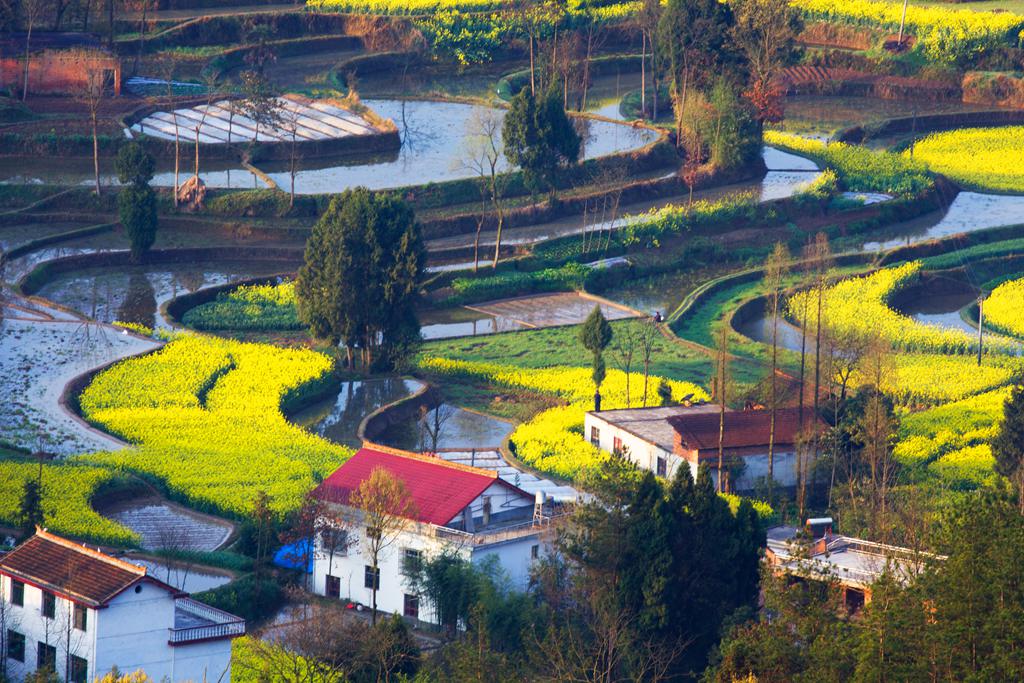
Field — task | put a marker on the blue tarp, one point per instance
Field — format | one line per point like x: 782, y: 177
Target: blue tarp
x: 293, y: 555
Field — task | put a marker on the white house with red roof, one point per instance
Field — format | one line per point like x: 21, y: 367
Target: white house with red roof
x: 82, y: 613
x: 460, y: 509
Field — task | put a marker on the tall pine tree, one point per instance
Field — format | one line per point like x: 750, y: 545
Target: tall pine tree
x: 1008, y: 446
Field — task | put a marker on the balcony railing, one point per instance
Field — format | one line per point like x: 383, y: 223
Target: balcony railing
x: 495, y: 534
x: 195, y: 634
x: 218, y: 623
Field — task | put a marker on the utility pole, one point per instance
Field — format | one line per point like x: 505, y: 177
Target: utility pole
x: 903, y: 22
x: 981, y: 318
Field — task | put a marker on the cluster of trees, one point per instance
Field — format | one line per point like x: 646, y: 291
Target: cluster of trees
x: 720, y: 63
x: 955, y: 618
x: 360, y: 279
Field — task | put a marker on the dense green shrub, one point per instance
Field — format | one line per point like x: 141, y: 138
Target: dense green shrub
x: 252, y: 598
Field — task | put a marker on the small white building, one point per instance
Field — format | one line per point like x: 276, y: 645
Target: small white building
x: 643, y: 435
x: 663, y: 439
x: 81, y: 613
x: 459, y: 509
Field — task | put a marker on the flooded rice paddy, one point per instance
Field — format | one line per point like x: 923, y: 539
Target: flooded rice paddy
x: 461, y: 429
x: 136, y: 293
x: 338, y: 418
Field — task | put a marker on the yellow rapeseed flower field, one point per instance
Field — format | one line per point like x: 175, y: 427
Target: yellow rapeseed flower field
x: 981, y: 158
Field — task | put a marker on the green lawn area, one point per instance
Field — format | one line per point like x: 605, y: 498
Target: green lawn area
x: 561, y: 346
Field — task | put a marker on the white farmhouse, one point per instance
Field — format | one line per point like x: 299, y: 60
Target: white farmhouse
x: 663, y: 439
x: 81, y: 613
x: 459, y: 509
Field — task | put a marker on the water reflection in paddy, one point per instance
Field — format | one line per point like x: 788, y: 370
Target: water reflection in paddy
x: 135, y: 293
x: 969, y: 212
x: 337, y: 419
x: 463, y: 429
x: 435, y: 141
x: 940, y: 310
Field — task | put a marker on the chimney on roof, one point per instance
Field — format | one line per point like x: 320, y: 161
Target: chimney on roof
x: 819, y: 527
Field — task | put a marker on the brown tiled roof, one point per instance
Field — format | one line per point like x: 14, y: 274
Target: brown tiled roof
x: 74, y: 571
x: 743, y: 429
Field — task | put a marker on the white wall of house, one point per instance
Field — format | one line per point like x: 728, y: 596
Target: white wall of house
x: 515, y: 557
x: 131, y: 633
x: 644, y: 453
x: 58, y: 631
x: 349, y: 566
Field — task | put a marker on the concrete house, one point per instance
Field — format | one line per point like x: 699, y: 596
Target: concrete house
x: 665, y: 438
x: 81, y: 613
x: 458, y: 509
x: 816, y: 553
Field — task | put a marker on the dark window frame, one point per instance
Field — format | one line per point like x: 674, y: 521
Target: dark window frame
x: 80, y: 619
x: 368, y: 582
x: 411, y: 606
x: 48, y: 608
x: 79, y: 670
x: 13, y: 652
x: 595, y: 435
x: 332, y: 582
x: 17, y: 593
x: 46, y: 656
x: 662, y: 467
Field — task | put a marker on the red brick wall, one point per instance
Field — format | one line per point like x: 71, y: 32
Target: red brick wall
x: 59, y: 72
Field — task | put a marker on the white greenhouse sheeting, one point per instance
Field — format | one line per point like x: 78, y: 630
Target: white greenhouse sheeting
x: 224, y: 122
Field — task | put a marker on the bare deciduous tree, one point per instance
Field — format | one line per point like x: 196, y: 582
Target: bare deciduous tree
x: 432, y: 423
x: 387, y: 511
x: 93, y: 91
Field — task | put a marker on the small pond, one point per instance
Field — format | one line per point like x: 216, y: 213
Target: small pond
x: 135, y: 293
x: 970, y: 211
x: 435, y: 137
x: 164, y: 525
x: 338, y: 418
x: 759, y: 328
x: 463, y: 429
x: 940, y: 310
x: 184, y: 577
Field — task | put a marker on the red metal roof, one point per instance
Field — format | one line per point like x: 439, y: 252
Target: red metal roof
x: 743, y: 429
x: 78, y: 573
x: 439, y: 489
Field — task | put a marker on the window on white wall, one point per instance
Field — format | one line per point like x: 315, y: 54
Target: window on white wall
x: 412, y: 562
x: 81, y: 619
x: 371, y: 577
x: 15, y: 645
x: 334, y: 541
x: 411, y: 606
x: 17, y: 593
x: 49, y: 605
x: 332, y: 588
x: 79, y: 670
x: 662, y: 467
x: 595, y: 436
